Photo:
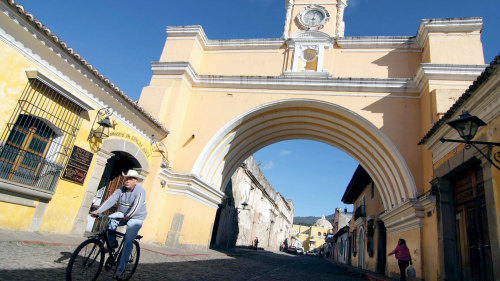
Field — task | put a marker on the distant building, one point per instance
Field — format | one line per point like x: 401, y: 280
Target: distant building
x: 313, y: 237
x: 252, y: 208
x: 340, y: 219
x: 368, y: 238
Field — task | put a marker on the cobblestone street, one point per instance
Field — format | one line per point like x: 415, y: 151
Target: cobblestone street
x: 46, y: 261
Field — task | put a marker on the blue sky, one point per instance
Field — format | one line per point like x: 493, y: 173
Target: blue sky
x: 122, y: 38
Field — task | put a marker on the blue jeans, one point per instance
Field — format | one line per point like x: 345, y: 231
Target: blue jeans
x: 133, y: 226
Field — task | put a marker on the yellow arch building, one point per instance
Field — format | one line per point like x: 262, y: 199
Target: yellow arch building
x: 222, y: 100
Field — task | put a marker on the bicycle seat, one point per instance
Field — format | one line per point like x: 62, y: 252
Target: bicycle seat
x: 138, y: 237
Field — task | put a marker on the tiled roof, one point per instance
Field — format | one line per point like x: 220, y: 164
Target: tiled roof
x: 64, y: 46
x: 465, y: 96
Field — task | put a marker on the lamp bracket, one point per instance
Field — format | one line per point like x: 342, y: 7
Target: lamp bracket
x: 496, y: 156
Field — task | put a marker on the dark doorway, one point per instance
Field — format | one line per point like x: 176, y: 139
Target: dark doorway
x: 381, y: 247
x: 111, y: 180
x: 120, y: 163
x: 472, y: 237
x: 215, y: 228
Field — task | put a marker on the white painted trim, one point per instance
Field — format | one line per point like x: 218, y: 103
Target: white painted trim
x: 191, y: 186
x: 377, y: 42
x: 383, y: 51
x: 38, y: 75
x: 415, y: 211
x: 384, y: 158
x: 198, y: 32
x: 276, y: 92
x: 453, y: 72
x: 314, y: 82
x: 26, y: 190
x: 16, y: 200
x: 317, y: 3
x: 299, y: 82
x: 457, y: 26
x: 438, y: 26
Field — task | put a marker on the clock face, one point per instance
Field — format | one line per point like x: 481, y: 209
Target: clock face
x: 313, y: 18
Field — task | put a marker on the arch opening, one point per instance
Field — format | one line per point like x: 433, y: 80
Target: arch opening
x: 311, y: 120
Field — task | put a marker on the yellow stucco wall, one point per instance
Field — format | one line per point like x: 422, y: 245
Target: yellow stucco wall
x: 374, y: 207
x: 14, y: 216
x: 467, y: 48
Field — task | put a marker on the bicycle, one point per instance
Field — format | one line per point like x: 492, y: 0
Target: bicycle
x: 88, y: 259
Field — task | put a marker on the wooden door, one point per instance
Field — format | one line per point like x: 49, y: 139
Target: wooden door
x: 113, y: 185
x: 473, y: 244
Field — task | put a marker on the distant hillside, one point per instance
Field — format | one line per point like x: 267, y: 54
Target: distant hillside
x: 308, y: 221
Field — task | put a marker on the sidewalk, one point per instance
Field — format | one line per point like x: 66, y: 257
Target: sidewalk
x: 46, y: 238
x: 369, y: 275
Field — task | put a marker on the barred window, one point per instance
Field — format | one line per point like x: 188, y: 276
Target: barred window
x: 39, y: 137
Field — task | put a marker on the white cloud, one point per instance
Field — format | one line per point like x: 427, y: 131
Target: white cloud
x: 267, y: 166
x: 285, y: 152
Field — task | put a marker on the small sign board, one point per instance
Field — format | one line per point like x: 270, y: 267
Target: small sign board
x: 78, y: 165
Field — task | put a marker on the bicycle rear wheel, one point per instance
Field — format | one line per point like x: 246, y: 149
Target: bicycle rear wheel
x: 86, y: 261
x: 132, y: 262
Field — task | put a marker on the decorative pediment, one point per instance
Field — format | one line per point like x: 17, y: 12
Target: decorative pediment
x: 311, y: 35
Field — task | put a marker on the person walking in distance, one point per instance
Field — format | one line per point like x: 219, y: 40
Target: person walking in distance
x: 403, y: 256
x: 255, y: 243
x: 132, y: 211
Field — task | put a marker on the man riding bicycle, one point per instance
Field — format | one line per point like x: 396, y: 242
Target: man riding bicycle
x: 131, y: 200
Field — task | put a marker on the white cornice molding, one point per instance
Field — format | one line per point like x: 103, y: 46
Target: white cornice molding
x: 408, y: 215
x: 38, y: 75
x: 240, y: 44
x: 456, y: 25
x: 451, y: 25
x: 375, y: 42
x: 192, y: 187
x: 295, y: 82
x: 453, y: 72
x: 322, y: 80
x: 309, y: 37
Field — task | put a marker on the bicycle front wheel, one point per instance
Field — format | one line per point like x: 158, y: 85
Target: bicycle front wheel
x: 86, y: 261
x: 132, y: 262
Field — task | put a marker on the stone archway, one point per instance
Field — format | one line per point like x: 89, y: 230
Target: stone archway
x: 313, y: 120
x: 101, y: 159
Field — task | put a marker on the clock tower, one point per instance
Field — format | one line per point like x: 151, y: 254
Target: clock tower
x: 311, y: 27
x: 324, y: 15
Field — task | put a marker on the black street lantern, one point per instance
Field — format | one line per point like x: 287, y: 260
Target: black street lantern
x: 103, y: 124
x: 467, y: 125
x: 102, y: 131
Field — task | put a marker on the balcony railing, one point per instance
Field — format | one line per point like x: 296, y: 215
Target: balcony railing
x: 360, y: 212
x: 44, y: 177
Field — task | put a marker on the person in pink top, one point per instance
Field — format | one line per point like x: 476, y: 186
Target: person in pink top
x: 403, y: 256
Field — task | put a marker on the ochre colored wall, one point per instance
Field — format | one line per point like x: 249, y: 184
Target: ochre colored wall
x: 197, y: 222
x: 467, y: 49
x: 14, y: 216
x: 430, y: 255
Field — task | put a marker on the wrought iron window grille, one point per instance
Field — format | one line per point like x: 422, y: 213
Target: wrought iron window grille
x: 39, y: 137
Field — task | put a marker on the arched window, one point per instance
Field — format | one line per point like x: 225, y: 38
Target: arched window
x: 25, y: 148
x: 39, y: 137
